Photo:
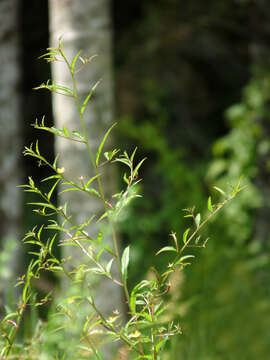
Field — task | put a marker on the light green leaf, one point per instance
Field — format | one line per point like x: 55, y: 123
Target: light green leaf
x: 160, y: 344
x: 91, y: 180
x: 65, y: 130
x: 93, y: 192
x: 72, y: 67
x: 77, y: 134
x: 62, y: 88
x: 183, y: 258
x: 109, y: 265
x: 45, y: 205
x: 110, y: 154
x: 103, y: 142
x: 52, y: 189
x: 124, y: 263
x: 198, y: 219
x: 137, y: 167
x: 103, y: 216
x: 185, y: 235
x: 166, y: 248
x: 220, y: 190
x: 55, y: 161
x: 209, y: 204
x: 88, y: 97
x: 58, y: 176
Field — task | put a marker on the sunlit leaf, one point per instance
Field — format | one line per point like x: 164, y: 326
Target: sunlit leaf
x: 185, y: 235
x: 124, y: 263
x: 209, y: 204
x: 198, y: 219
x: 102, y: 143
x: 166, y: 248
x: 220, y: 190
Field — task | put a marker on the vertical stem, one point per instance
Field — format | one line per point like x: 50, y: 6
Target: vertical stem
x: 100, y: 187
x: 11, y: 342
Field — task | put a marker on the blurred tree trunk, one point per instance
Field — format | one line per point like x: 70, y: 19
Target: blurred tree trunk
x: 84, y: 25
x: 10, y: 139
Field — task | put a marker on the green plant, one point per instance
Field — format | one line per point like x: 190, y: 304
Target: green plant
x: 145, y: 331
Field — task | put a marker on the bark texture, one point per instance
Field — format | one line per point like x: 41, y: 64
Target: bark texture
x: 10, y: 146
x: 85, y: 25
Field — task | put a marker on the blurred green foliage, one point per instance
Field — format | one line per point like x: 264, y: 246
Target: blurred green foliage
x: 184, y: 67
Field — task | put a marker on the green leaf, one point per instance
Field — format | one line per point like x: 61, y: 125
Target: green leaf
x: 62, y: 88
x: 166, y: 248
x: 109, y: 265
x: 52, y: 189
x: 45, y: 205
x: 185, y: 235
x: 88, y: 97
x: 183, y: 258
x: 110, y: 154
x: 65, y: 130
x: 103, y: 216
x: 51, y: 243
x: 198, y: 219
x: 123, y: 160
x: 37, y: 149
x: 124, y: 263
x: 103, y: 142
x: 160, y: 344
x: 135, y: 172
x: 209, y: 204
x: 55, y: 161
x: 220, y: 190
x: 52, y: 177
x: 100, y: 237
x: 91, y: 180
x: 70, y: 189
x: 72, y: 67
x: 77, y: 134
x: 93, y: 192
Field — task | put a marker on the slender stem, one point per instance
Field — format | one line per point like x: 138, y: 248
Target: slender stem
x: 15, y: 332
x: 107, y: 325
x: 100, y: 187
x: 219, y: 207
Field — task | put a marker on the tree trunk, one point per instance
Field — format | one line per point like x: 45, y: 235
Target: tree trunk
x: 85, y: 25
x: 10, y: 174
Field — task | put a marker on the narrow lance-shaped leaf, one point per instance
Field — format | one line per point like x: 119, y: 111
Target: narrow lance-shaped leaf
x: 185, y: 235
x: 88, y: 97
x: 209, y: 204
x: 102, y: 143
x: 183, y: 258
x: 220, y: 190
x: 198, y: 219
x: 109, y: 265
x: 76, y: 133
x: 124, y: 263
x: 137, y: 167
x: 165, y: 249
x: 52, y: 189
x: 72, y: 67
x: 65, y: 130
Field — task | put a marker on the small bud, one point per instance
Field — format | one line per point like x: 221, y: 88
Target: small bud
x: 60, y: 170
